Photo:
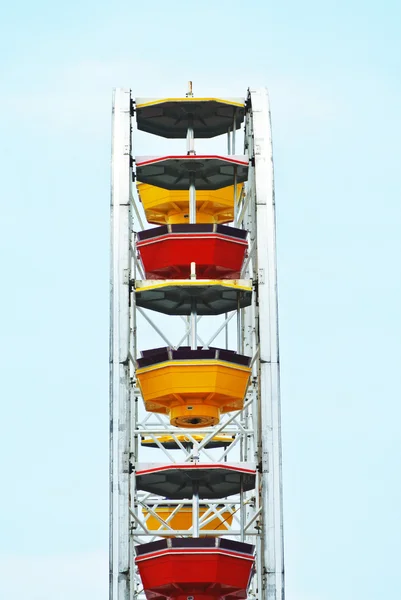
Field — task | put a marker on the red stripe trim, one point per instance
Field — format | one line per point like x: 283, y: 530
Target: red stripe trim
x: 203, y: 466
x: 191, y: 157
x: 177, y: 236
x: 193, y: 551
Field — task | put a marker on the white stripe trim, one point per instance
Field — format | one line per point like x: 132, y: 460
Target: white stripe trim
x: 173, y: 551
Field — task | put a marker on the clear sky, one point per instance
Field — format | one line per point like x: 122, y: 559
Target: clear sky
x: 332, y: 69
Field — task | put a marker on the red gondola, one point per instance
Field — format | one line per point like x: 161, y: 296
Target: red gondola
x: 167, y: 252
x: 197, y: 568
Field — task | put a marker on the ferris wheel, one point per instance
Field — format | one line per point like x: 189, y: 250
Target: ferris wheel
x: 195, y: 438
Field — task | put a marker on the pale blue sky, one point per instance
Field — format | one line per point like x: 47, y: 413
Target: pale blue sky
x: 333, y: 74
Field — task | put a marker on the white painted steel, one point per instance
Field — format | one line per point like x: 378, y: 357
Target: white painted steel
x: 269, y: 383
x: 119, y: 346
x: 192, y: 198
x: 195, y: 511
x: 190, y: 139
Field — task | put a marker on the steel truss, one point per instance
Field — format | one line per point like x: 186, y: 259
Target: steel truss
x: 255, y: 431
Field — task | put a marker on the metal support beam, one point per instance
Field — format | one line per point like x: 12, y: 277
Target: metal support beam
x: 121, y: 177
x: 269, y: 386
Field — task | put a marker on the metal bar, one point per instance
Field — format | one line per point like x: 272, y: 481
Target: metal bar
x: 155, y: 327
x: 253, y: 519
x: 161, y: 447
x: 134, y: 445
x: 239, y: 330
x: 195, y: 510
x: 242, y: 512
x: 210, y: 533
x: 216, y: 333
x: 234, y: 131
x: 192, y: 198
x: 190, y: 137
x: 195, y: 443
x: 229, y: 448
x: 255, y: 357
x: 221, y: 427
x: 235, y: 195
x: 187, y: 334
x: 242, y: 351
x: 137, y: 520
x: 194, y: 337
x: 212, y: 512
x: 154, y: 514
x: 175, y: 511
x: 137, y: 214
x: 154, y: 438
x: 139, y: 267
x: 179, y: 431
x: 179, y: 444
x: 241, y: 216
x: 235, y: 168
x: 239, y: 424
x: 248, y: 259
x: 169, y: 502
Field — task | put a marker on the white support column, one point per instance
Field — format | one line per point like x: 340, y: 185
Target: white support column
x: 121, y: 176
x: 269, y: 390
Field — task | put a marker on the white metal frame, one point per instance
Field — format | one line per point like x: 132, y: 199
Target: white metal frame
x: 120, y: 419
x: 262, y: 225
x: 256, y: 429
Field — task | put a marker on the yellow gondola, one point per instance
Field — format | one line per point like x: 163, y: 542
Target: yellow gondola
x: 169, y: 207
x: 193, y: 393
